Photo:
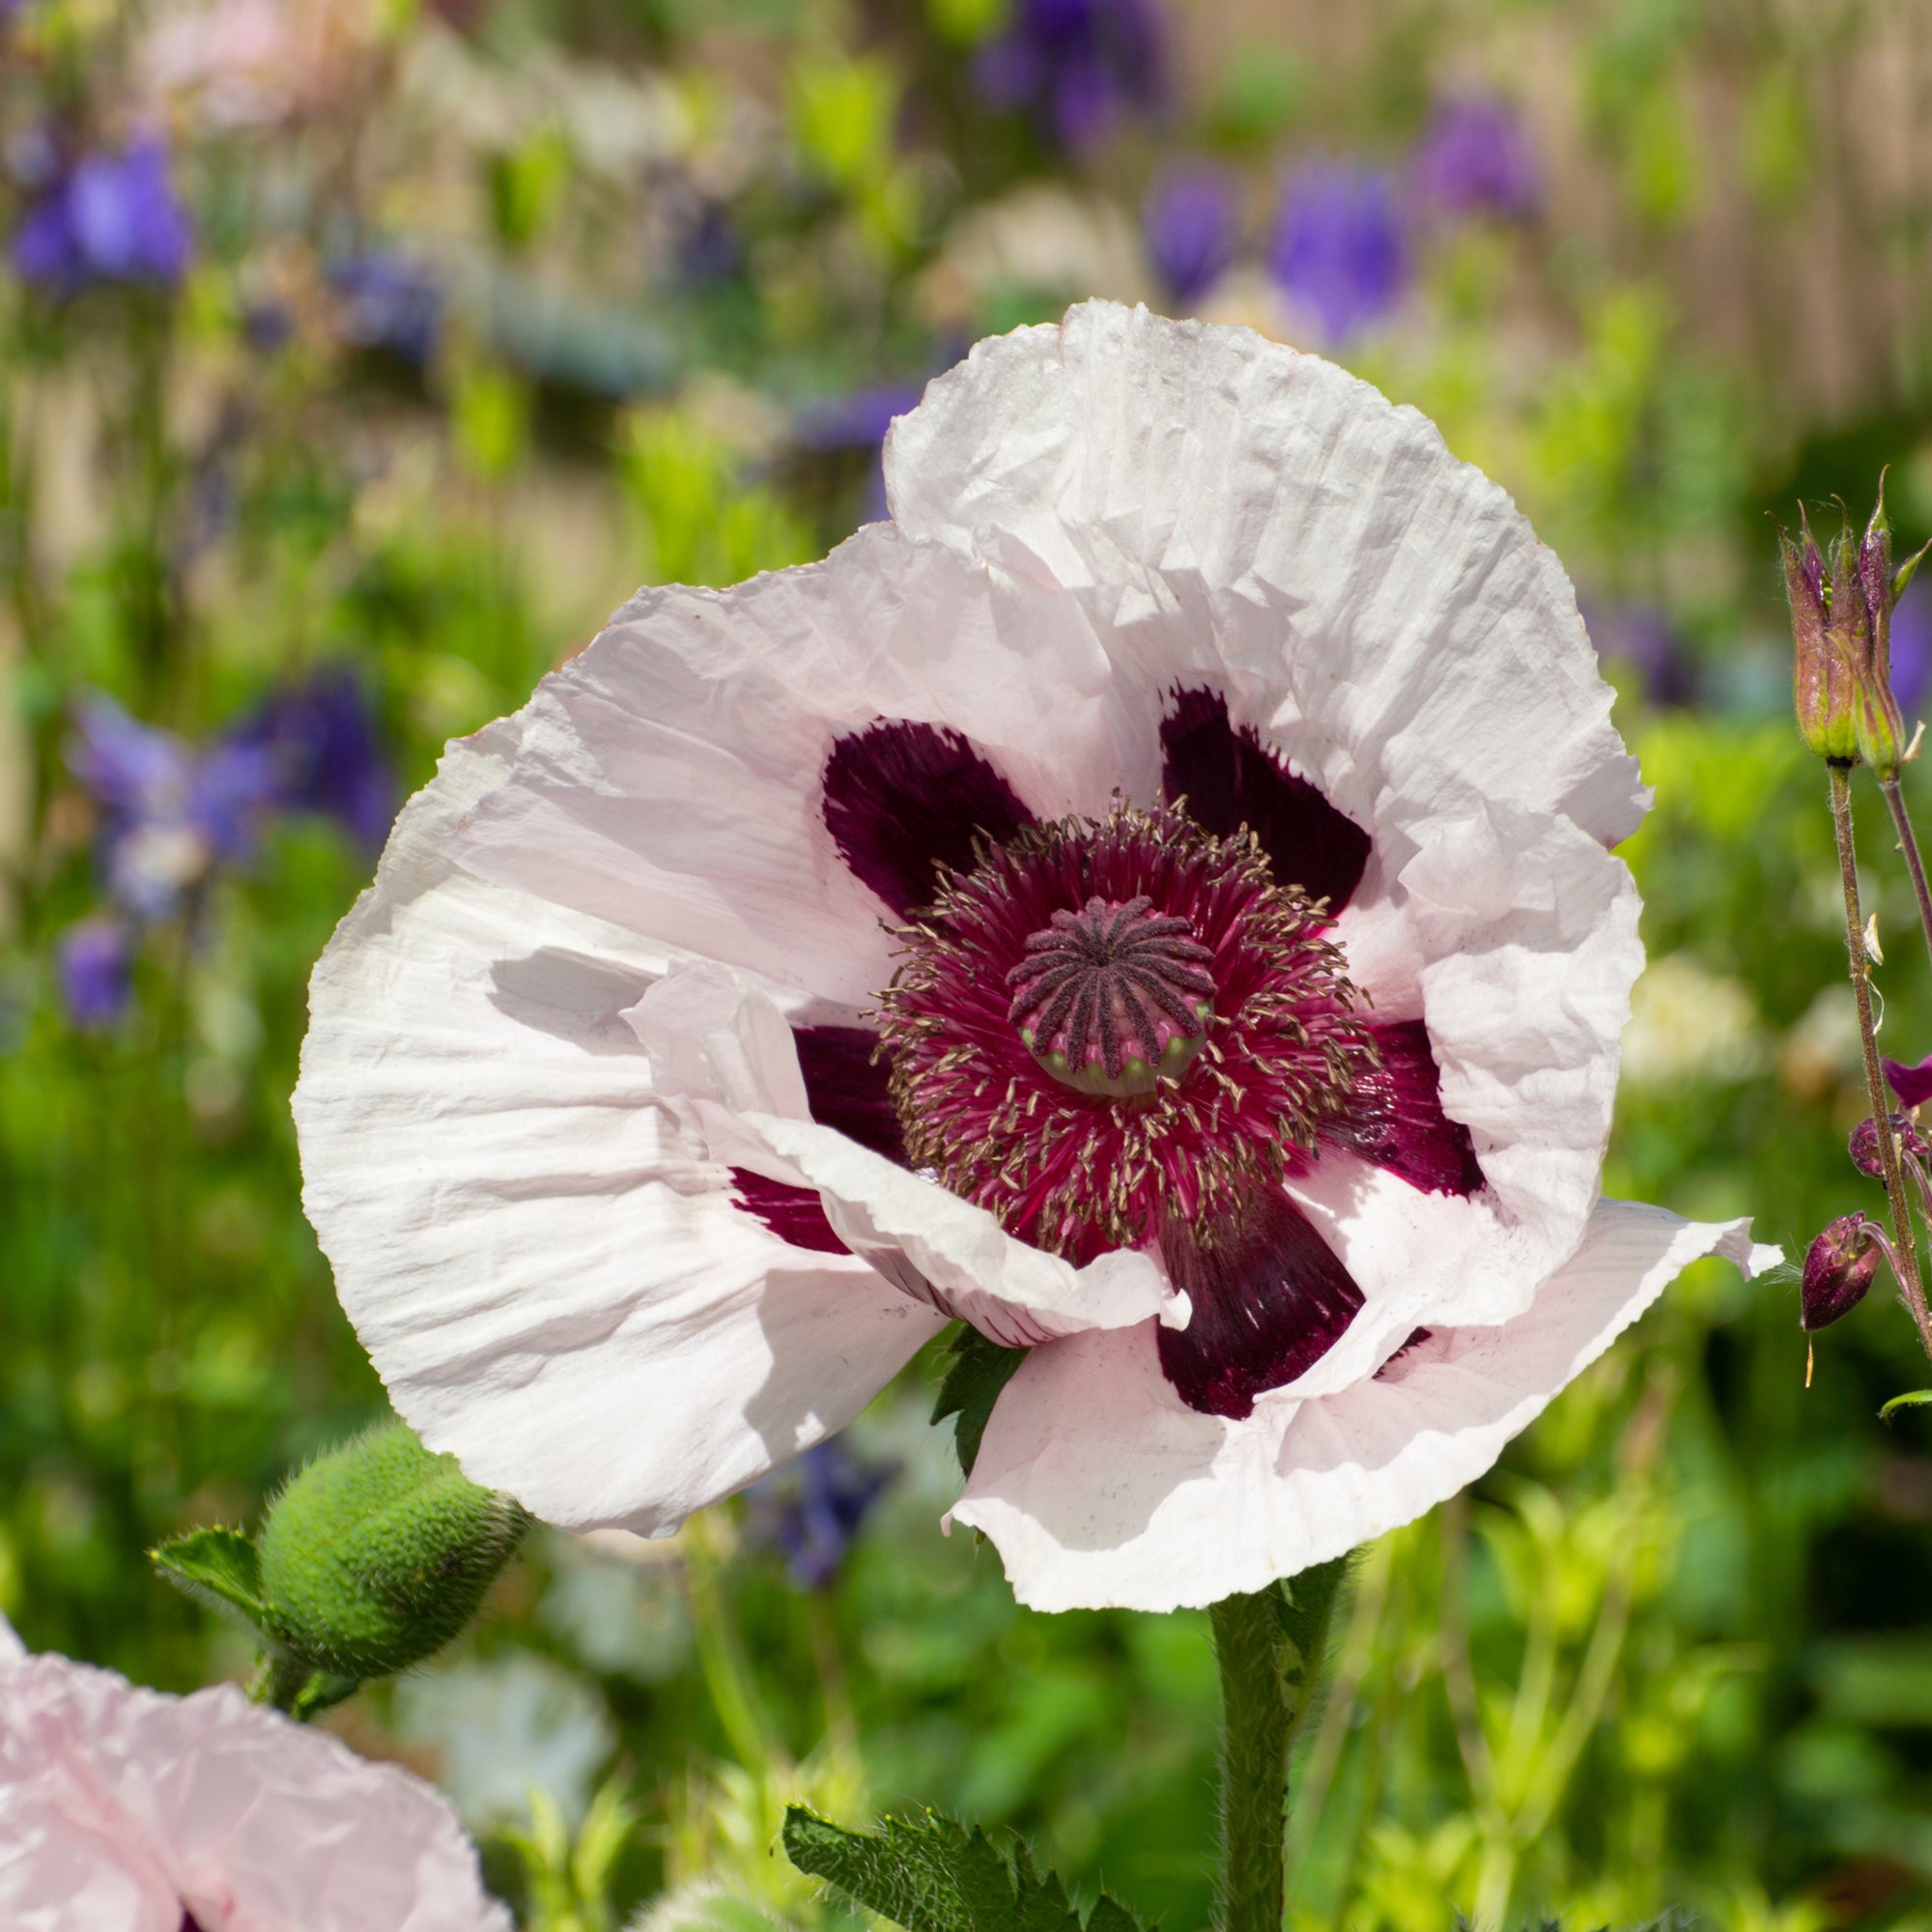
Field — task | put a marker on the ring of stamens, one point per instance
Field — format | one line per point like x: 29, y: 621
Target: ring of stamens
x: 1106, y: 1025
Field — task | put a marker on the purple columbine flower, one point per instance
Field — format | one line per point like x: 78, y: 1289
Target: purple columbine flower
x: 1189, y: 220
x: 389, y: 302
x: 171, y: 813
x: 94, y: 959
x: 1912, y: 645
x: 1077, y: 66
x: 1839, y: 1270
x: 1340, y: 249
x: 327, y: 753
x: 1644, y: 637
x: 1475, y: 158
x: 859, y: 419
x: 106, y: 219
x: 811, y: 1512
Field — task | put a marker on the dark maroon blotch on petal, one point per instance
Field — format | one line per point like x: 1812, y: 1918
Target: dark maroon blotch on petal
x: 1400, y: 1124
x: 848, y: 1090
x: 1270, y: 1298
x: 794, y: 1215
x: 1413, y: 1341
x: 1229, y: 779
x: 905, y: 799
x: 1912, y: 1083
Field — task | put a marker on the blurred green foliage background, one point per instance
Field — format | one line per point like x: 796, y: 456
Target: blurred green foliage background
x: 357, y: 357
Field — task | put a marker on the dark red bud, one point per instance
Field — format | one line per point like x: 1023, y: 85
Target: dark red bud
x: 1862, y: 1147
x: 1840, y: 1269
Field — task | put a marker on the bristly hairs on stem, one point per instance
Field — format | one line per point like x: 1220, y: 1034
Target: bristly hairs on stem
x: 1910, y: 1290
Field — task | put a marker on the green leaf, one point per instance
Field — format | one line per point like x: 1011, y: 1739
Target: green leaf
x: 216, y: 1567
x: 930, y: 1873
x: 1917, y: 1398
x: 977, y: 1371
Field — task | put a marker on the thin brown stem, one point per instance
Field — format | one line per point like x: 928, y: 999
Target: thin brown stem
x: 1909, y: 1289
x: 1908, y: 844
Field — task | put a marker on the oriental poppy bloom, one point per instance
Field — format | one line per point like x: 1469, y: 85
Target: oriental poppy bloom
x: 122, y: 1807
x: 1152, y: 900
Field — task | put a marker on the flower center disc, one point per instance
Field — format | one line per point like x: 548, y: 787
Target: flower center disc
x: 1114, y: 998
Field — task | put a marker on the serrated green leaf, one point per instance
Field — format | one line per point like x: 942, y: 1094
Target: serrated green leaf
x: 930, y: 1873
x: 216, y: 1567
x: 977, y: 1371
x: 1914, y: 1398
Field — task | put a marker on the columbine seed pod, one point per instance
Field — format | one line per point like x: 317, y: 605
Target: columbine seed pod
x: 378, y: 1553
x: 1839, y: 1270
x: 1824, y: 673
x: 1863, y: 608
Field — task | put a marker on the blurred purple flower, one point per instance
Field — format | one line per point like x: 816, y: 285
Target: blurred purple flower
x: 106, y: 219
x: 1911, y: 644
x: 1475, y: 158
x: 389, y: 302
x: 710, y: 248
x: 810, y: 1510
x: 1643, y: 637
x: 94, y: 960
x: 326, y: 754
x: 859, y: 419
x: 1340, y: 249
x: 1077, y: 66
x: 1189, y: 220
x: 170, y: 813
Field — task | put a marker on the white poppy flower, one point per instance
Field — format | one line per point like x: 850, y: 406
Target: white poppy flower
x: 1151, y: 900
x: 124, y: 1808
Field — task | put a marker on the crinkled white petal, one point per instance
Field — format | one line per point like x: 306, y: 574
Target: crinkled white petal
x: 720, y: 1048
x: 668, y: 779
x: 555, y: 1283
x: 1100, y: 1487
x: 1233, y: 514
x: 120, y: 1807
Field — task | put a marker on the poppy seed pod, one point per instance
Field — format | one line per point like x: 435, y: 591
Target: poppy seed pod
x: 1839, y: 1270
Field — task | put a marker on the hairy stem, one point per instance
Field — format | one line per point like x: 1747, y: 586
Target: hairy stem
x: 1908, y: 844
x: 1270, y: 1646
x: 1909, y: 1289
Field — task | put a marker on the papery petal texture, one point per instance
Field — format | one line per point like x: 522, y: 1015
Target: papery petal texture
x: 120, y: 1807
x: 549, y: 1267
x: 1100, y: 1487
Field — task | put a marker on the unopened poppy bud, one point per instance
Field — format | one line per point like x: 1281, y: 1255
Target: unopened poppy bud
x: 1863, y: 1145
x: 1840, y: 1269
x: 378, y: 1552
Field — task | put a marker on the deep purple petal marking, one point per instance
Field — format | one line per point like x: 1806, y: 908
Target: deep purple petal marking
x: 794, y: 1215
x: 1270, y: 1299
x: 1229, y: 779
x: 848, y: 1089
x: 904, y: 800
x: 1401, y: 1124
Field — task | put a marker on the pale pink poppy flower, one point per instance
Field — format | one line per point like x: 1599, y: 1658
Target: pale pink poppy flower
x: 1152, y: 899
x: 126, y: 1810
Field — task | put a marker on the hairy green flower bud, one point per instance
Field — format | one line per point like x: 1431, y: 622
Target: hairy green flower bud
x: 1824, y: 674
x: 378, y: 1553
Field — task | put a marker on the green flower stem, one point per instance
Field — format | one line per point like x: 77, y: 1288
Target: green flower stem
x: 1271, y: 1648
x: 1908, y: 844
x: 1909, y: 1289
x: 280, y: 1682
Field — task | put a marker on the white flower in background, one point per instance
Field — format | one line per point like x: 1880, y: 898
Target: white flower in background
x: 123, y: 1807
x: 1151, y: 900
x: 1689, y: 1024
